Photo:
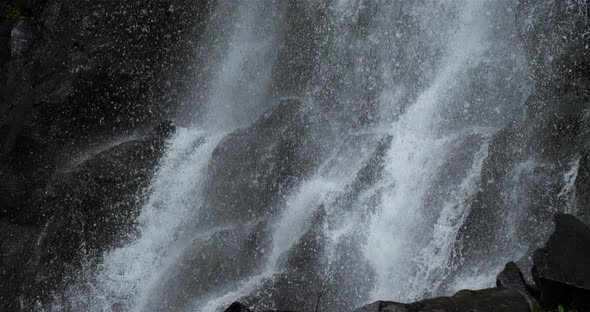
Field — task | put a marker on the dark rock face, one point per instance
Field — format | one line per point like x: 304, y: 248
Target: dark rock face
x: 512, y: 294
x: 80, y: 72
x: 78, y: 78
x: 560, y: 271
x: 83, y: 211
x: 561, y: 268
x: 79, y: 69
x: 237, y: 307
x: 555, y: 38
x: 15, y: 245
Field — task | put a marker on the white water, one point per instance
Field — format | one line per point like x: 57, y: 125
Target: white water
x: 568, y: 192
x: 401, y: 239
x: 417, y: 152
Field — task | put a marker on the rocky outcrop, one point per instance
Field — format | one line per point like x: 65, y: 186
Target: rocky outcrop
x: 511, y: 278
x: 76, y: 73
x: 561, y: 269
x: 82, y: 83
x: 238, y: 307
x: 487, y: 300
x: 80, y: 72
x: 85, y: 208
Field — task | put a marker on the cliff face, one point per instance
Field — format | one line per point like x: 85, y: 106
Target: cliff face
x: 81, y: 87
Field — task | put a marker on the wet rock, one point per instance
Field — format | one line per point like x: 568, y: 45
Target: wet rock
x: 511, y: 278
x: 74, y: 74
x: 300, y: 284
x: 372, y: 171
x: 347, y: 279
x: 165, y: 129
x: 555, y: 36
x: 531, y: 156
x: 386, y: 306
x: 83, y: 49
x: 237, y: 307
x: 479, y: 235
x: 252, y: 169
x: 16, y: 242
x: 561, y: 269
x: 85, y: 209
x: 487, y: 300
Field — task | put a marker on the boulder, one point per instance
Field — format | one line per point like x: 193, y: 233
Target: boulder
x: 237, y: 307
x: 561, y: 269
x: 511, y: 278
x: 486, y: 300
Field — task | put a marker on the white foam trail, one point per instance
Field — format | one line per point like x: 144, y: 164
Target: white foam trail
x: 391, y: 230
x: 416, y: 153
x: 298, y: 212
x: 568, y: 192
x: 434, y: 260
x: 517, y: 198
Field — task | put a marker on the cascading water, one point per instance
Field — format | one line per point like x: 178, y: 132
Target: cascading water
x: 393, y: 106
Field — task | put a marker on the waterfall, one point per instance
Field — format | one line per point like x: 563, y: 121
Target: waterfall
x: 398, y: 100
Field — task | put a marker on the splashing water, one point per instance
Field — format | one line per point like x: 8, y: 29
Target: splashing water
x: 408, y: 129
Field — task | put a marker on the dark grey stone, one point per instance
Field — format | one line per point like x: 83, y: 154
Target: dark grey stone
x: 561, y: 269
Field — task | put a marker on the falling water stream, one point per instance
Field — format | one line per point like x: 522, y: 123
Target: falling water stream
x: 411, y: 91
